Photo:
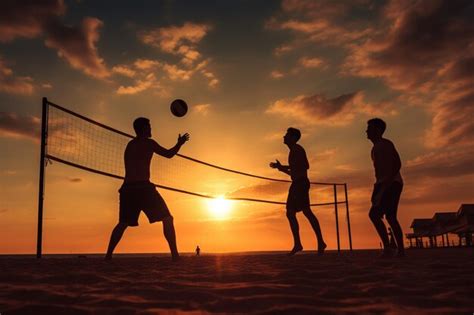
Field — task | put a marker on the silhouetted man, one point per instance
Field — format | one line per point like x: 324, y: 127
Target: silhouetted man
x: 388, y: 186
x: 138, y: 193
x: 298, y: 195
x: 198, y: 250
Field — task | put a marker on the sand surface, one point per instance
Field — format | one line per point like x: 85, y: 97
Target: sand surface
x: 427, y: 281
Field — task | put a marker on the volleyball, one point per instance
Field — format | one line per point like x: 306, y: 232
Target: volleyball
x: 179, y: 108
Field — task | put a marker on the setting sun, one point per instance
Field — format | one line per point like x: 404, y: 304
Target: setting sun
x: 220, y: 207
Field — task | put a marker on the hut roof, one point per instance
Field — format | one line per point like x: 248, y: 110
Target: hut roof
x: 466, y: 209
x: 421, y: 223
x: 444, y: 217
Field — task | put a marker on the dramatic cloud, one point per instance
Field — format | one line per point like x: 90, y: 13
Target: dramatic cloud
x: 317, y: 109
x: 13, y: 125
x: 141, y: 85
x: 27, y: 18
x: 36, y: 18
x: 427, y: 51
x: 9, y: 83
x: 124, y: 70
x: 146, y: 64
x: 176, y: 73
x: 324, y: 22
x: 77, y: 46
x: 441, y: 164
x: 176, y: 39
x: 182, y: 41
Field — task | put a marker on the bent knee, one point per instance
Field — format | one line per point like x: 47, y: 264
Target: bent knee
x: 374, y: 214
x: 308, y: 212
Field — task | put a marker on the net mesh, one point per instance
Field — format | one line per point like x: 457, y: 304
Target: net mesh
x: 81, y: 142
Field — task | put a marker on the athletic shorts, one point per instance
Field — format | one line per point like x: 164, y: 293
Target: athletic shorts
x: 298, y: 196
x: 389, y: 199
x: 138, y: 196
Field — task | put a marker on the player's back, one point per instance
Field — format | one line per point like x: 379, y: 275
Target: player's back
x: 137, y: 157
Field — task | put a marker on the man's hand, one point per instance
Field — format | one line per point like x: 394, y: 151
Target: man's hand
x: 276, y: 164
x: 183, y: 138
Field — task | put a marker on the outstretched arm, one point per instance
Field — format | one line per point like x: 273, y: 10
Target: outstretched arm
x: 282, y: 168
x: 169, y: 153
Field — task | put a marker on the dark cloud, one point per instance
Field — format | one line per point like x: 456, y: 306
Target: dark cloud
x: 75, y: 180
x: 41, y: 18
x: 442, y: 164
x: 21, y: 18
x: 318, y: 109
x: 3, y: 210
x: 324, y: 22
x: 427, y: 51
x: 13, y: 125
x: 9, y: 83
x: 78, y: 45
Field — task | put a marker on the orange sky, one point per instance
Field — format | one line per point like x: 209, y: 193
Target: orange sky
x: 248, y: 71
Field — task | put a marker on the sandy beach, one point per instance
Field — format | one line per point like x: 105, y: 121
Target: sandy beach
x: 427, y: 281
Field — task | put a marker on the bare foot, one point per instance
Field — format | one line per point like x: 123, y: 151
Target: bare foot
x: 321, y: 248
x: 295, y: 249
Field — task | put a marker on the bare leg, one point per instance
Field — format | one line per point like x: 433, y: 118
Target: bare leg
x: 115, y: 237
x: 170, y: 235
x: 296, y: 234
x: 316, y: 228
x: 397, y: 231
x: 381, y: 229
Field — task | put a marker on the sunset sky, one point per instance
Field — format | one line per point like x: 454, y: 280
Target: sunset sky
x: 248, y: 71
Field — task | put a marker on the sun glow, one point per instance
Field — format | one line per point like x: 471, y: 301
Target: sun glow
x: 220, y: 207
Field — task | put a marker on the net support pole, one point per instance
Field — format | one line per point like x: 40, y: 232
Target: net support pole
x: 337, y: 219
x: 348, y: 218
x: 39, y: 238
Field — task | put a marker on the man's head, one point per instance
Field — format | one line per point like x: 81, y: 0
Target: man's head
x: 375, y: 128
x: 292, y: 136
x: 142, y: 127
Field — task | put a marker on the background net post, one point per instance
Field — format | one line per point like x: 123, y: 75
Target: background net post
x: 337, y: 218
x: 44, y: 124
x: 348, y: 217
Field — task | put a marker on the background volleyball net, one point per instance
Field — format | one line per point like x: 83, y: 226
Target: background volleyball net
x: 78, y: 141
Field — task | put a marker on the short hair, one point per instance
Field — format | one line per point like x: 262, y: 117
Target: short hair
x: 140, y: 123
x: 296, y: 133
x: 378, y: 123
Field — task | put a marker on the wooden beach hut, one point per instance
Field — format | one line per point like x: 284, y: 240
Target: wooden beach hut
x: 442, y: 224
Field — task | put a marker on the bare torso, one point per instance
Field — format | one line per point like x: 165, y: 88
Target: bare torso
x: 137, y: 158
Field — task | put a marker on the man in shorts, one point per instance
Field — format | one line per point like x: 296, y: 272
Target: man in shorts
x: 138, y: 193
x: 387, y: 188
x: 298, y: 195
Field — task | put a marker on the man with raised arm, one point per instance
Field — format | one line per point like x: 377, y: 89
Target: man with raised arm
x: 138, y: 193
x: 387, y: 188
x: 298, y: 195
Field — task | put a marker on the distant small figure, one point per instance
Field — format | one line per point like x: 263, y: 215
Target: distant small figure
x: 387, y: 188
x: 198, y: 251
x: 298, y: 195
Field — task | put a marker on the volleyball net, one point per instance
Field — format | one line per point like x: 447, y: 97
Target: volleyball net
x: 81, y: 142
